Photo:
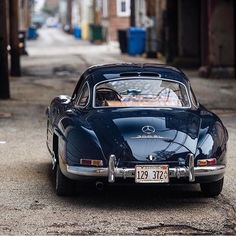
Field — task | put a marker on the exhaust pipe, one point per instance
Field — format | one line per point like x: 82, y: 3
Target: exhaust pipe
x: 99, y: 186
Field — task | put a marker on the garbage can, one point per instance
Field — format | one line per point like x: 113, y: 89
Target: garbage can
x: 77, y: 32
x: 136, y: 41
x: 32, y: 33
x: 122, y: 37
x: 95, y: 33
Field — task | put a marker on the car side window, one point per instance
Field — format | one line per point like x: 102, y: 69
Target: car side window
x: 83, y: 96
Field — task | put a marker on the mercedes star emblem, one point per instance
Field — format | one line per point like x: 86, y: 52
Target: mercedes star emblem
x: 148, y: 129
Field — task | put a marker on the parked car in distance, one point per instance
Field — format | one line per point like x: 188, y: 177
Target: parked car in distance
x: 52, y: 22
x: 137, y: 124
x: 38, y: 20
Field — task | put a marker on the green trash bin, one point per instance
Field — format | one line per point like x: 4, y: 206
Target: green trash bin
x: 96, y: 33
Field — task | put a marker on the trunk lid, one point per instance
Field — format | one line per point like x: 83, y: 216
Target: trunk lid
x: 147, y: 135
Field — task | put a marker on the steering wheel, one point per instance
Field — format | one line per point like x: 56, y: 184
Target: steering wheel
x: 110, y: 89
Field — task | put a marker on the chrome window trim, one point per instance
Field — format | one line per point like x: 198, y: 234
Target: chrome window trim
x: 85, y: 80
x: 191, y: 91
x: 89, y: 96
x: 144, y: 77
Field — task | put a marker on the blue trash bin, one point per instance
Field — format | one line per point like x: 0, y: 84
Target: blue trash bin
x: 136, y: 41
x: 32, y: 33
x: 77, y: 32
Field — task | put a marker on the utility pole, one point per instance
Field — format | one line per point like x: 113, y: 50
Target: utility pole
x: 14, y: 40
x: 95, y: 18
x: 171, y: 30
x: 69, y: 15
x: 234, y: 2
x: 151, y: 35
x: 4, y: 76
x: 132, y: 15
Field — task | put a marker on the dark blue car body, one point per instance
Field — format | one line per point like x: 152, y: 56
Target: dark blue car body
x: 188, y: 135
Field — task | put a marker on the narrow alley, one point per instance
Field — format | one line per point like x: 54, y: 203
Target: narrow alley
x: 29, y: 204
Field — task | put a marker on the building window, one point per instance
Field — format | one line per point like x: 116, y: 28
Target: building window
x: 123, y: 7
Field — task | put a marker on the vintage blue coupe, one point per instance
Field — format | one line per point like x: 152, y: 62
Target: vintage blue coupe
x: 138, y: 124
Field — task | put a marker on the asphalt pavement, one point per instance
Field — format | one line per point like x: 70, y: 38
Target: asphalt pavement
x: 28, y: 203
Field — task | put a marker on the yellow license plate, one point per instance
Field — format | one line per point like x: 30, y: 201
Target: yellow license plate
x: 152, y: 174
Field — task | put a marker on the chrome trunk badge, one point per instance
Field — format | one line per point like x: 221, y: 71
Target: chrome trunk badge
x: 148, y: 129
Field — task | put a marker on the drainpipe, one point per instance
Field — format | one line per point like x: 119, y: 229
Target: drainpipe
x: 234, y: 6
x: 14, y: 39
x: 4, y: 76
x: 132, y: 15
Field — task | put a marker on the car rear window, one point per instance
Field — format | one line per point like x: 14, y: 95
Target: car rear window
x: 141, y: 92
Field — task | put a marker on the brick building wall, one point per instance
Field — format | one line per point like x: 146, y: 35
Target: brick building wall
x: 52, y: 4
x: 221, y: 33
x: 113, y: 22
x: 24, y: 14
x: 200, y: 34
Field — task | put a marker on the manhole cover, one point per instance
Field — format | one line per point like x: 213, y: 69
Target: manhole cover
x: 5, y: 115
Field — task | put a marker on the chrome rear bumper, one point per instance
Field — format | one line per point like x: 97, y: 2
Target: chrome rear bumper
x: 112, y: 172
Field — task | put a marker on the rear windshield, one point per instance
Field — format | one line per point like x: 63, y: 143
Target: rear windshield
x: 141, y: 92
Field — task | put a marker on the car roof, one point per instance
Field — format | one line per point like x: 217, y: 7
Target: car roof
x: 99, y: 73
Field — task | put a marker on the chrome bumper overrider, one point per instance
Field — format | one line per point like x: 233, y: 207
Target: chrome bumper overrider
x: 112, y: 172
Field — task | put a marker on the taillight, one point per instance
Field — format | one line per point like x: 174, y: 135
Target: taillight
x: 202, y: 162
x: 207, y: 162
x: 211, y: 162
x: 89, y: 162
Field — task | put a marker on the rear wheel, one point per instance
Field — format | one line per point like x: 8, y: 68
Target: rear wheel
x: 212, y: 189
x: 64, y: 186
